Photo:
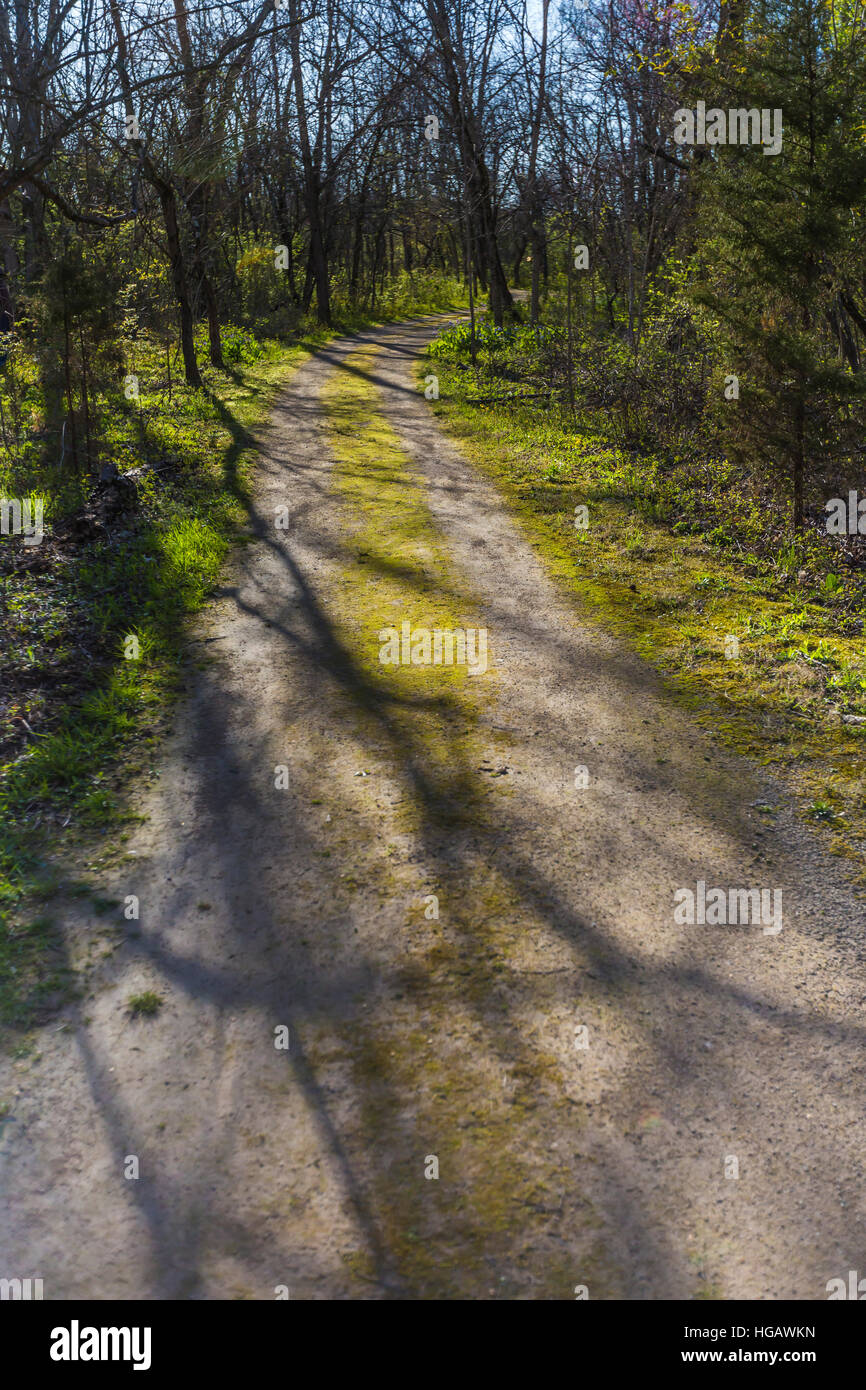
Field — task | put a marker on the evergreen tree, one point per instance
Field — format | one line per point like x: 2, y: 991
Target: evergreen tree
x: 779, y: 233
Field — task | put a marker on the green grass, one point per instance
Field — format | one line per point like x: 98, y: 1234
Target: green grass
x: 430, y: 722
x: 144, y: 1005
x: 94, y: 712
x: 400, y: 568
x: 750, y: 635
x: 83, y: 718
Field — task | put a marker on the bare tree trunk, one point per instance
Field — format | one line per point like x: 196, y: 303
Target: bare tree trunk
x: 537, y: 235
x: 468, y: 128
x: 85, y: 408
x: 213, y: 322
x: 195, y: 140
x: 312, y: 191
x: 70, y: 406
x: 799, y: 458
x: 168, y: 202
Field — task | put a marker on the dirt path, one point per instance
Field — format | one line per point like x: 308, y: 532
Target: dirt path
x: 460, y: 1037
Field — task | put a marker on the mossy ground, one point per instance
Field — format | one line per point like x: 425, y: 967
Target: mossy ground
x: 96, y: 715
x: 753, y: 648
x: 423, y: 1070
x: 78, y: 719
x: 399, y: 572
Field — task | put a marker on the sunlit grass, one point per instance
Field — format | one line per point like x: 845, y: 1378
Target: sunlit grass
x: 70, y: 629
x: 773, y: 665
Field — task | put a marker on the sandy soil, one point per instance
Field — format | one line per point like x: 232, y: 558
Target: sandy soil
x: 560, y: 1165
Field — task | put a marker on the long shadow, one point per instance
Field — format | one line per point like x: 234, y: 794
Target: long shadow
x: 530, y: 888
x: 454, y: 853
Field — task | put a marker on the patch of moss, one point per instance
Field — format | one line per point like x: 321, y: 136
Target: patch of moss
x: 685, y: 605
x: 426, y: 1089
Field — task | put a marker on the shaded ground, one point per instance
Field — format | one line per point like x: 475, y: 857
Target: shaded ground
x: 412, y: 1037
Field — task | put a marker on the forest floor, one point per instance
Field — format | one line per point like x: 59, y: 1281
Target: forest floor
x: 456, y: 893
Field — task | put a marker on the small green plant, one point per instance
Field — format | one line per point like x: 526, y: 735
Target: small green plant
x: 719, y: 535
x: 637, y: 547
x: 144, y: 1005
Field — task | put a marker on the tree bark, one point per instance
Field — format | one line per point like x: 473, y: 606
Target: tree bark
x: 318, y: 261
x: 168, y: 202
